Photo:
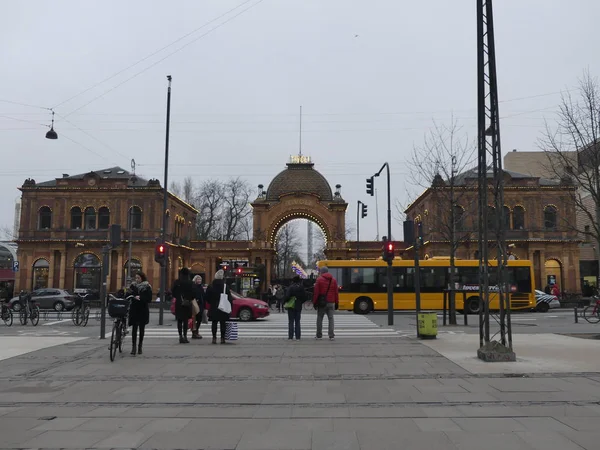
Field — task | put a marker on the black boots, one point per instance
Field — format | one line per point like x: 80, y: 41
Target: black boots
x: 140, y: 348
x: 133, y: 347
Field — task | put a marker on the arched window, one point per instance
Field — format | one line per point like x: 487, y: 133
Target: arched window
x: 90, y: 218
x: 506, y: 217
x: 136, y: 266
x: 103, y: 218
x: 76, y: 218
x: 518, y: 218
x: 491, y: 218
x: 550, y: 219
x: 41, y: 269
x: 45, y: 218
x: 459, y: 218
x: 87, y: 273
x: 134, y: 218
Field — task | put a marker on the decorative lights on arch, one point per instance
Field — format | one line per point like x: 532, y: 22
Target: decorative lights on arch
x: 297, y: 215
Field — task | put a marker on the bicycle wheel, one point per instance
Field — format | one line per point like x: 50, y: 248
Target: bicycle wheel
x: 74, y: 316
x: 7, y: 317
x: 591, y: 314
x: 86, y: 316
x: 35, y: 316
x: 23, y: 317
x: 122, y: 334
x: 114, y: 336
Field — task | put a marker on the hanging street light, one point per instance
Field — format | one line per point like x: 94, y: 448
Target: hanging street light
x: 51, y: 134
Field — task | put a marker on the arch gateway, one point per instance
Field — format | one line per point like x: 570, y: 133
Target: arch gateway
x: 297, y: 192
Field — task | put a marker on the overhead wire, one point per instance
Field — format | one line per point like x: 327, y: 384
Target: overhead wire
x: 165, y: 57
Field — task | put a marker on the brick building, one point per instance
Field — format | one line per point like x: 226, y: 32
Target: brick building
x: 537, y: 211
x: 64, y: 225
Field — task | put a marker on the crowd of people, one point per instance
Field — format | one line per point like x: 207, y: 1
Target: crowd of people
x: 195, y: 305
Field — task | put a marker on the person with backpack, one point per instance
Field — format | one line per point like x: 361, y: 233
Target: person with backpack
x: 325, y: 301
x: 294, y: 299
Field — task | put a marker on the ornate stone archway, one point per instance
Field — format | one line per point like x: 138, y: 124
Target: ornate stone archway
x: 299, y: 191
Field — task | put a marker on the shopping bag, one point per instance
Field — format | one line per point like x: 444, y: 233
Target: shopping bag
x: 205, y: 316
x: 190, y: 324
x: 290, y: 304
x: 231, y: 331
x: 224, y: 304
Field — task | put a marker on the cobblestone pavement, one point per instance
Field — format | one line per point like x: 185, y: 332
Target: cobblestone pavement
x: 387, y: 392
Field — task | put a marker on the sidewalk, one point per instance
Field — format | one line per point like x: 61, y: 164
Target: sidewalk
x: 372, y: 394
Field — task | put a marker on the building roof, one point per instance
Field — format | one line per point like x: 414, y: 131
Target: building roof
x: 299, y: 178
x: 472, y: 174
x: 112, y: 173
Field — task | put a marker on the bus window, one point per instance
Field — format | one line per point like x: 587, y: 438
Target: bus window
x: 336, y: 272
x: 433, y: 279
x: 364, y: 279
x: 520, y: 277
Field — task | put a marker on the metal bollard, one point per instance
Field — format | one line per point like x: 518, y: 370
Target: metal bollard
x: 576, y: 315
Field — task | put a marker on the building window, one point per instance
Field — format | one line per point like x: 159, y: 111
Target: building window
x: 459, y: 218
x: 103, y: 218
x: 76, y: 218
x: 136, y: 266
x: 41, y: 269
x: 518, y: 218
x: 506, y: 217
x: 134, y: 219
x: 45, y: 220
x: 550, y: 218
x: 491, y: 218
x: 90, y: 218
x: 87, y: 273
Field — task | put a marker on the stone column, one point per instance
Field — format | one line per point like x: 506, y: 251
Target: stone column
x: 63, y: 269
x: 120, y: 268
x: 51, y: 268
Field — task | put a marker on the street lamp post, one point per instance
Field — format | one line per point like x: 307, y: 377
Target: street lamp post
x: 390, y: 286
x: 132, y: 179
x: 163, y: 272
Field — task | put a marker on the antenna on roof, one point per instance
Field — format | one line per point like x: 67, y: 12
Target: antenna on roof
x: 133, y: 166
x: 300, y: 148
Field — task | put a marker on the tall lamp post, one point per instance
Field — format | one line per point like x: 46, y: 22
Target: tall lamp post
x: 163, y: 272
x: 390, y: 285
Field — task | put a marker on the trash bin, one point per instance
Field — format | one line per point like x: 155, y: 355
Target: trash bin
x: 427, y: 326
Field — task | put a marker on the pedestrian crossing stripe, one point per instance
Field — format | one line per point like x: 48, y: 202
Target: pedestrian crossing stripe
x: 276, y: 327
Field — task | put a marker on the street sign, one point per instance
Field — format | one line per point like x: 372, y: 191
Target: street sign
x: 15, y: 266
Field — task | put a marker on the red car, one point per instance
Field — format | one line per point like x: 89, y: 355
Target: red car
x: 243, y: 308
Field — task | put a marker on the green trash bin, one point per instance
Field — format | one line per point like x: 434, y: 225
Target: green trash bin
x: 427, y: 326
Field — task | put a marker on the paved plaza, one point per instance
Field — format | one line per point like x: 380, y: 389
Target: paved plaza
x: 373, y: 392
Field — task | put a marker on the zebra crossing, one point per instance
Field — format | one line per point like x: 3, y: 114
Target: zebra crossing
x: 347, y: 325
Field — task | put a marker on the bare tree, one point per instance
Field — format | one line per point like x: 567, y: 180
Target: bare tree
x: 7, y: 233
x: 208, y: 202
x: 236, y: 208
x: 175, y: 188
x: 573, y: 150
x: 437, y: 165
x: 187, y: 189
x: 287, y: 246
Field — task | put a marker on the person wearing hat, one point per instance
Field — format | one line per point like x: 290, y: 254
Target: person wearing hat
x: 213, y: 296
x: 326, y: 288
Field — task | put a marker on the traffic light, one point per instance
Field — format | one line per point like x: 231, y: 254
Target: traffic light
x: 370, y: 190
x: 239, y: 271
x: 160, y: 254
x: 363, y: 212
x: 388, y: 250
x: 420, y: 232
x: 225, y: 268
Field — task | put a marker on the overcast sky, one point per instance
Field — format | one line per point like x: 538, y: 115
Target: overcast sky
x: 371, y: 76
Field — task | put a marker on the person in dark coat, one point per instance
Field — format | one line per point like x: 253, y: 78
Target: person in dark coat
x: 295, y: 290
x: 139, y: 313
x: 199, y: 296
x: 183, y: 292
x: 213, y: 296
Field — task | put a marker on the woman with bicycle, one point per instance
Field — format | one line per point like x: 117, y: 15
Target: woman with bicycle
x: 139, y: 312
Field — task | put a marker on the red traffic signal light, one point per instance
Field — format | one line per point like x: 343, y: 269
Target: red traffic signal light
x: 239, y: 270
x: 391, y: 247
x: 160, y: 253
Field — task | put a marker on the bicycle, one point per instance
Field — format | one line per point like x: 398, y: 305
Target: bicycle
x: 81, y: 312
x: 591, y: 313
x: 29, y: 311
x: 118, y: 309
x: 6, y: 314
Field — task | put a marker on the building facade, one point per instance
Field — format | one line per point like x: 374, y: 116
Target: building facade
x: 537, y: 212
x: 65, y: 222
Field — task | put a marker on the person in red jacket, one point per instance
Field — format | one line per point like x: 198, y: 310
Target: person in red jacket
x: 326, y: 285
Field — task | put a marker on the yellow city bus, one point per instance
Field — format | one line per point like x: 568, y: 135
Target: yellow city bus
x: 363, y: 284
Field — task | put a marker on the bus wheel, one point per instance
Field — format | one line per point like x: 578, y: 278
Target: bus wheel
x: 363, y: 305
x: 473, y: 305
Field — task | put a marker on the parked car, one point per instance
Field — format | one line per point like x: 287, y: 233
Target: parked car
x: 244, y: 308
x: 544, y: 301
x: 56, y: 299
